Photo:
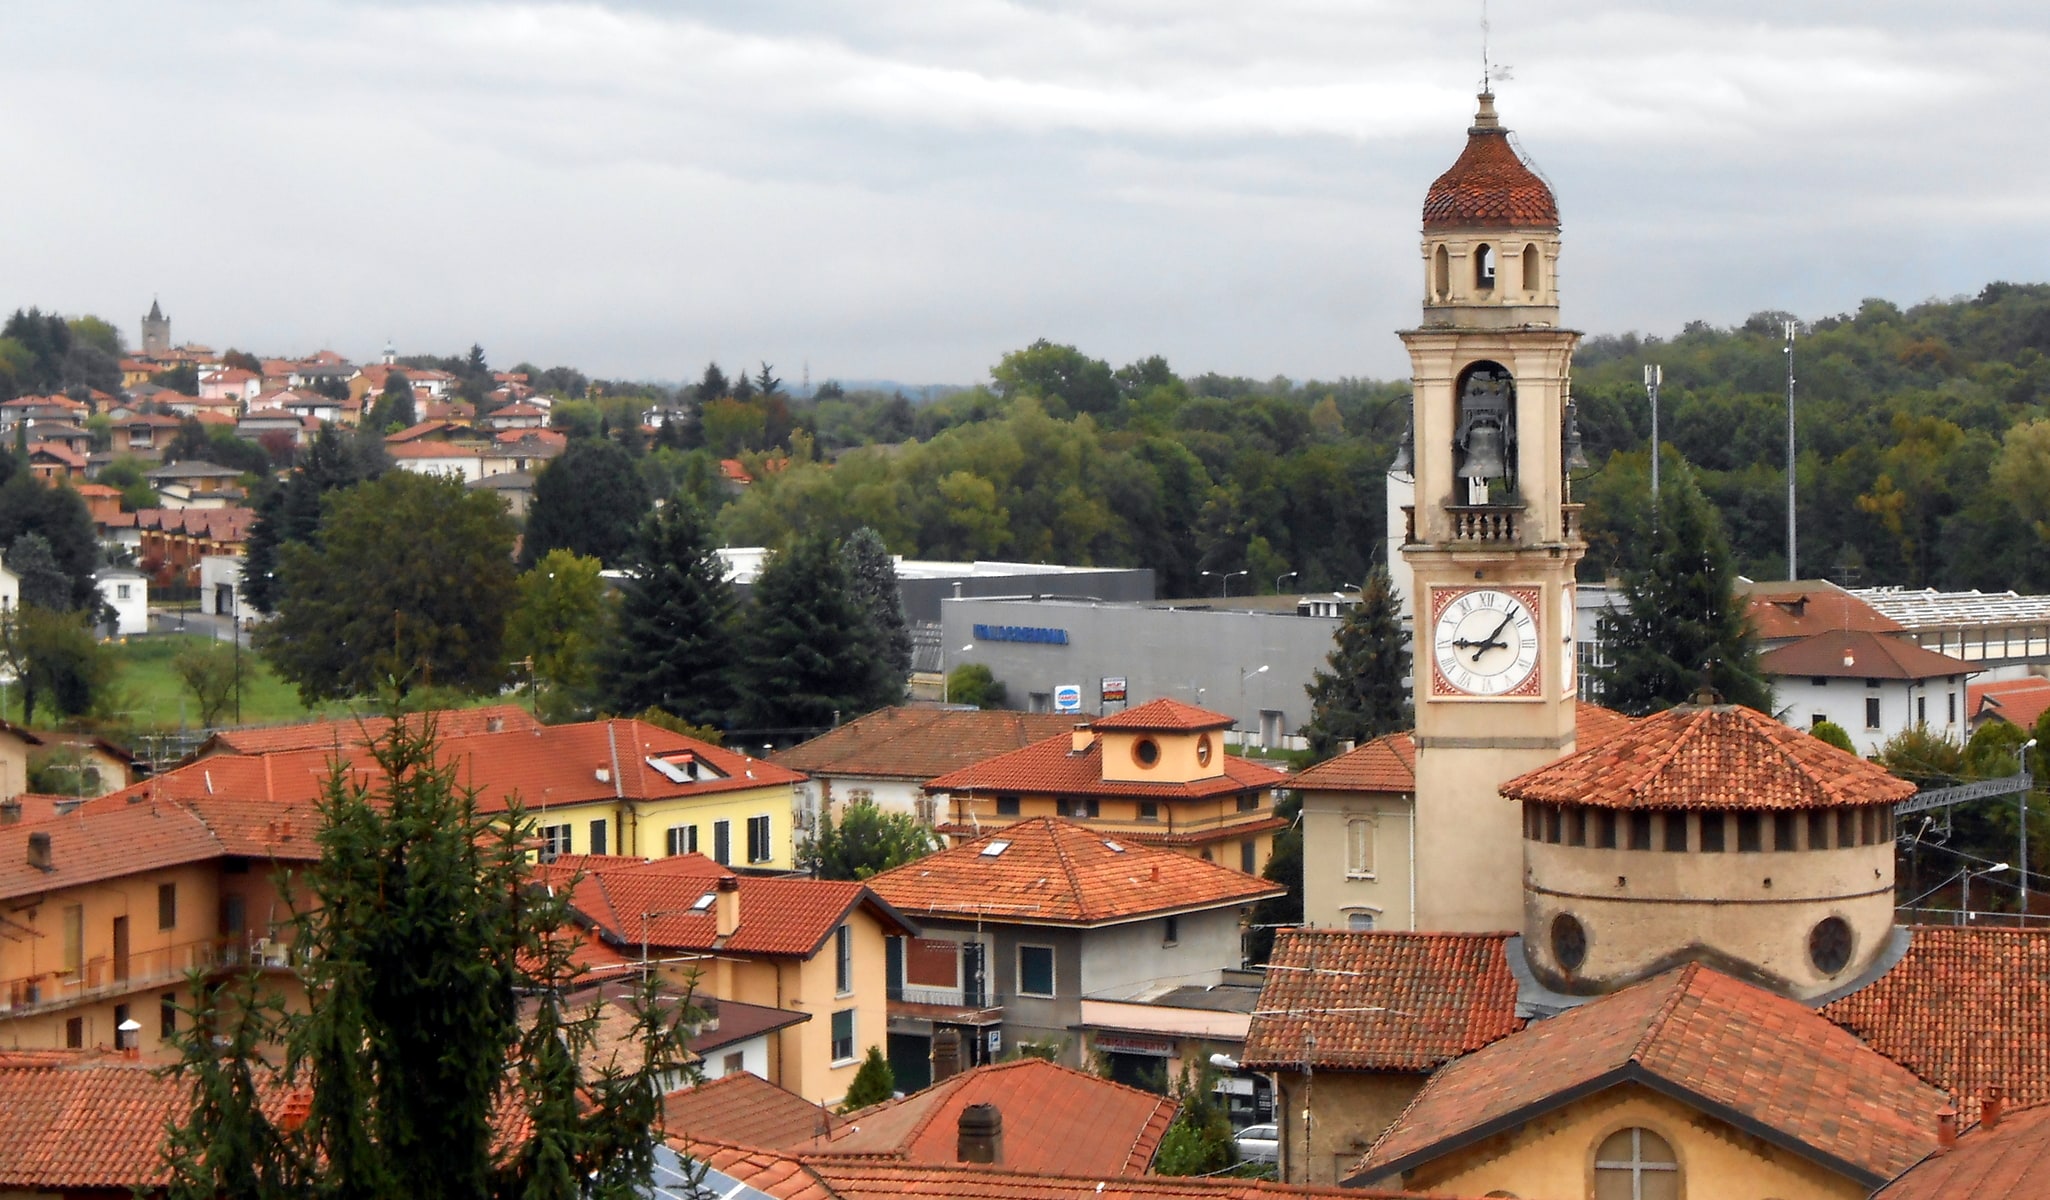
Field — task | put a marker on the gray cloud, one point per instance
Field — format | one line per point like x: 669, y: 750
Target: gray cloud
x: 913, y: 188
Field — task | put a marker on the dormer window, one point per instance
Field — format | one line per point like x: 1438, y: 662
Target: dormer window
x: 1484, y: 268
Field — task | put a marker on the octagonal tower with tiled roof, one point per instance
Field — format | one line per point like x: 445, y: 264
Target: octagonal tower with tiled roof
x: 1491, y: 235
x: 1708, y: 833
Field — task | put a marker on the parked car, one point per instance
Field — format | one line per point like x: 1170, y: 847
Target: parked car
x: 1257, y: 1143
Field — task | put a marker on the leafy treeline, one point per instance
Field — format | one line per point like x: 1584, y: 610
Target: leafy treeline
x: 1903, y: 420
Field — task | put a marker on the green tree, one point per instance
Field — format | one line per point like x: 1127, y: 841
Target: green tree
x: 42, y: 581
x: 409, y: 585
x: 291, y: 513
x: 1198, y: 1142
x: 61, y: 665
x: 1681, y: 625
x: 56, y: 514
x: 804, y: 662
x: 1055, y: 373
x: 590, y: 501
x: 557, y: 625
x: 976, y: 684
x: 1835, y: 734
x: 394, y: 408
x: 1362, y: 696
x: 874, y: 576
x: 212, y: 674
x: 873, y: 1083
x: 419, y: 936
x: 863, y: 842
x: 674, y: 642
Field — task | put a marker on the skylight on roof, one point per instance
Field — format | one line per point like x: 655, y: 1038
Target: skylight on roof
x: 1113, y: 846
x: 703, y: 902
x: 995, y: 848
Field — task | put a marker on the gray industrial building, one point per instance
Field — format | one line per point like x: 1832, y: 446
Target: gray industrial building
x: 1251, y: 658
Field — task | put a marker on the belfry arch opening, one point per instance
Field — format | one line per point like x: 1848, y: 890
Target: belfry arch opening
x: 1484, y: 436
x: 1441, y: 273
x: 1484, y: 268
x: 1533, y: 271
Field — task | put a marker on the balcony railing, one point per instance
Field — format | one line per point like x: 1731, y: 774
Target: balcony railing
x: 1484, y: 522
x: 139, y: 970
x: 946, y: 998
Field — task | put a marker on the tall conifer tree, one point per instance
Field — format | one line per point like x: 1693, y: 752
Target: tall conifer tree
x: 873, y: 574
x: 1363, y: 695
x: 674, y: 649
x: 808, y: 657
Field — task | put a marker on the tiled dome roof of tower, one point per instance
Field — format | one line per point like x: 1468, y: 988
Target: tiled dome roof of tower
x: 1490, y: 186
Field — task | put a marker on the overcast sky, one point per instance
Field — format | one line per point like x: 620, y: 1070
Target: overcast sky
x: 910, y: 188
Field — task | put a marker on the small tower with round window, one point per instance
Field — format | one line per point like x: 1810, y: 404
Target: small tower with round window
x: 1710, y: 833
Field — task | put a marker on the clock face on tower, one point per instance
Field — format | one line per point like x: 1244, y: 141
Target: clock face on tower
x: 1485, y: 642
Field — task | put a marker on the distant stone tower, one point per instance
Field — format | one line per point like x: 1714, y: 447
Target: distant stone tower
x: 156, y: 332
x: 391, y: 353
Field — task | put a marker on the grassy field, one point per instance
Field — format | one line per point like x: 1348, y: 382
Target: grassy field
x: 149, y: 695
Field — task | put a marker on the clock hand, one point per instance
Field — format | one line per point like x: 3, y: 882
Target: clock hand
x: 1481, y: 648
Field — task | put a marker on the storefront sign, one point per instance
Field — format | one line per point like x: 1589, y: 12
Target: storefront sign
x: 1134, y: 1043
x: 1113, y: 689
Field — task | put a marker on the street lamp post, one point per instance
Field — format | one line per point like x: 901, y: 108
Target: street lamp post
x: 946, y: 680
x: 2022, y: 757
x: 1995, y: 869
x: 1246, y: 673
x: 1279, y: 578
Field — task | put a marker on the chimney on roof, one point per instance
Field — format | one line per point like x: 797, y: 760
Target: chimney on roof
x: 1992, y: 1108
x: 10, y: 812
x: 1080, y: 739
x: 726, y: 908
x: 946, y: 1054
x: 981, y: 1135
x: 39, y: 852
x: 1946, y: 1130
x: 494, y: 725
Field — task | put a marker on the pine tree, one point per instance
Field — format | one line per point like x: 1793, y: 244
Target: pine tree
x: 874, y: 576
x: 674, y: 647
x: 43, y: 582
x: 874, y: 1083
x: 1363, y: 696
x: 589, y: 501
x: 1681, y: 624
x: 291, y: 513
x: 806, y: 661
x: 418, y: 936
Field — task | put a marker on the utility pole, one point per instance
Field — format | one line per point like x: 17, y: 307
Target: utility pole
x: 1793, y: 570
x: 1653, y: 376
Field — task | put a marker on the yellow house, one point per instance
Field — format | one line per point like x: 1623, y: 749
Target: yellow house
x: 809, y: 946
x: 1156, y: 774
x: 105, y: 911
x: 1689, y: 1084
x: 597, y: 787
x: 14, y: 750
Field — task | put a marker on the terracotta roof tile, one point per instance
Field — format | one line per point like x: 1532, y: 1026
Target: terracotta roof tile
x: 358, y: 731
x: 1381, y: 1001
x: 918, y: 743
x: 1851, y: 653
x: 1489, y: 186
x: 1720, y: 1044
x: 1966, y: 1009
x: 2019, y: 702
x: 107, y: 839
x: 1055, y: 1119
x: 1722, y: 757
x: 2003, y: 1162
x: 1801, y: 608
x: 74, y: 1121
x: 1053, y: 766
x: 747, y: 1110
x: 1046, y: 871
x: 1388, y: 764
x: 779, y: 917
x: 1165, y: 715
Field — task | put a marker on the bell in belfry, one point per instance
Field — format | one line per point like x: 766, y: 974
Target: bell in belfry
x: 1483, y: 453
x: 1405, y: 453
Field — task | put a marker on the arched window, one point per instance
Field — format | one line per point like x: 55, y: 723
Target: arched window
x: 1484, y: 267
x: 1533, y: 270
x: 1636, y: 1164
x: 1441, y: 273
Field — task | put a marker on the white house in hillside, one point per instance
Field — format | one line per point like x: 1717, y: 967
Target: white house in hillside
x: 126, y: 593
x: 10, y: 589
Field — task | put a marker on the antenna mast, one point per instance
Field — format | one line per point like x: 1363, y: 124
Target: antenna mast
x: 1793, y: 571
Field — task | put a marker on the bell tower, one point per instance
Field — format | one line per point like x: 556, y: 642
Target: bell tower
x: 1491, y: 538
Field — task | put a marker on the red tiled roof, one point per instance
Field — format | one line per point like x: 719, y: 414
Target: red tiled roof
x: 1053, y: 766
x: 1055, y: 872
x: 1055, y: 1119
x: 1388, y: 764
x: 358, y: 731
x: 1966, y: 1009
x: 1489, y: 186
x: 1718, y: 757
x: 745, y: 1109
x: 1783, y: 1072
x: 1381, y: 1001
x: 2001, y: 1162
x: 2019, y: 702
x: 918, y: 743
x: 1802, y: 608
x: 107, y: 839
x: 1166, y: 716
x: 779, y: 917
x: 1855, y: 653
x: 72, y: 1120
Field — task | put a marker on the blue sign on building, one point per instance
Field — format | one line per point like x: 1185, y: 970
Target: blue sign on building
x: 1021, y: 633
x: 1067, y: 698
